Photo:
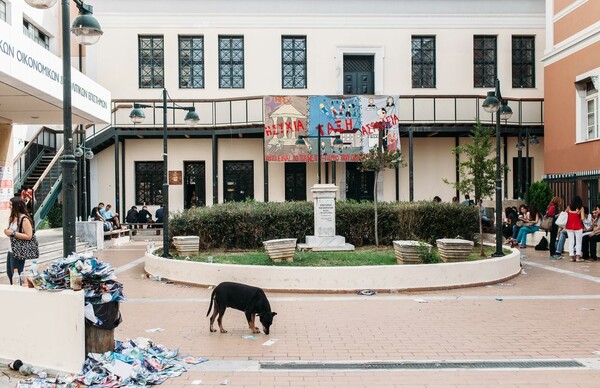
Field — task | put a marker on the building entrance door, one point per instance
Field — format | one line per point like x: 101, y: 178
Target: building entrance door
x: 359, y: 184
x: 359, y: 74
x: 194, y: 191
x: 295, y: 181
x: 238, y: 180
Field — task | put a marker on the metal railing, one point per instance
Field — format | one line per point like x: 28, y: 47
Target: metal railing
x: 47, y: 188
x: 455, y: 109
x: 25, y: 161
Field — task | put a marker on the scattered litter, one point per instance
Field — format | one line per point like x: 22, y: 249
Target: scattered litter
x: 596, y: 352
x: 155, y: 330
x: 587, y: 308
x: 523, y: 272
x: 98, y: 278
x: 252, y: 337
x: 499, y: 299
x: 506, y: 284
x: 270, y: 342
x: 193, y: 360
x: 420, y: 300
x: 158, y: 278
x: 224, y: 382
x: 489, y: 286
x: 187, y: 258
x: 136, y: 362
x: 197, y: 382
x: 366, y: 292
x: 169, y: 282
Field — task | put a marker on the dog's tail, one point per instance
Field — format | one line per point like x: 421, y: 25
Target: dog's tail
x: 212, y: 298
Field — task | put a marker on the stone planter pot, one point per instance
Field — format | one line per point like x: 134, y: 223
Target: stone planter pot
x: 187, y: 245
x: 282, y: 249
x: 407, y: 251
x: 454, y: 250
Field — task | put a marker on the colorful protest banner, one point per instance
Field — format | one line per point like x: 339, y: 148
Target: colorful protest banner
x: 286, y: 118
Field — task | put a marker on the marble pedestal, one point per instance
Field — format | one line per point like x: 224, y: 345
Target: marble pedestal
x: 325, y: 238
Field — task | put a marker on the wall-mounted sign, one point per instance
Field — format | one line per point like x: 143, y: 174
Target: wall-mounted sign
x: 175, y: 177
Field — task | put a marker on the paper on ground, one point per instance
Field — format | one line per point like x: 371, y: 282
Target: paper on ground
x: 270, y: 342
x: 155, y: 330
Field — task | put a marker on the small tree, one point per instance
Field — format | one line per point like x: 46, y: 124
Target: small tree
x: 377, y: 160
x: 540, y: 194
x: 478, y: 170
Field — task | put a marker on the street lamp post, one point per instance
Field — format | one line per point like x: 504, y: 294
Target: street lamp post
x: 137, y: 116
x: 87, y: 31
x: 336, y: 143
x: 494, y: 104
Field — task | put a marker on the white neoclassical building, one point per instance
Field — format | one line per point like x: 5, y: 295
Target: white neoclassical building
x: 244, y: 65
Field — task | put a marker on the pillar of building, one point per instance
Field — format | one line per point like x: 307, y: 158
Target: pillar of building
x: 6, y: 171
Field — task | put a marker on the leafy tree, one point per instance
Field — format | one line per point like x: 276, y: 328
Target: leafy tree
x: 478, y: 169
x: 540, y: 194
x: 377, y: 160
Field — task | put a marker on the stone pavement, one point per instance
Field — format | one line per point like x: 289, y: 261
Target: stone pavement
x: 549, y: 312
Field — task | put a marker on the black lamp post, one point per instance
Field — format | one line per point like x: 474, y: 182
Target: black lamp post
x: 87, y: 31
x: 336, y: 143
x: 137, y: 116
x: 494, y: 104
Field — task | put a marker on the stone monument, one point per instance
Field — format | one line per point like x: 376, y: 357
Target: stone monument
x: 325, y: 238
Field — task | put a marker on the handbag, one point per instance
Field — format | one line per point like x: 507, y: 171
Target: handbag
x: 561, y: 220
x: 546, y: 223
x: 24, y: 249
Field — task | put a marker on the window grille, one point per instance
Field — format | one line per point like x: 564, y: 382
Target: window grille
x: 423, y: 61
x: 231, y: 62
x: 151, y: 62
x: 293, y: 62
x: 523, y: 62
x: 149, y: 179
x: 484, y: 61
x: 191, y: 62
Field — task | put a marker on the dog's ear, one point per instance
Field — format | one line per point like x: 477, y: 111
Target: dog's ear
x: 273, y: 314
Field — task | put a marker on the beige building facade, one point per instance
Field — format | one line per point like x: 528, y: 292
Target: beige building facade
x: 439, y: 58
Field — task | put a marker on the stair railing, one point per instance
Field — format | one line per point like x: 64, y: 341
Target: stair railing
x: 32, y: 153
x: 47, y: 188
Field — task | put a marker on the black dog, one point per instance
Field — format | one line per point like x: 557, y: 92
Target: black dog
x: 251, y: 300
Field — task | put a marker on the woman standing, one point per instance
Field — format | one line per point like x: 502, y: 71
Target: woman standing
x: 553, y: 210
x: 574, y: 228
x: 19, y: 227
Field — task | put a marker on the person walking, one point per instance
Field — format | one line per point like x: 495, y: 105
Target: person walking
x: 553, y: 210
x: 20, y: 227
x: 574, y: 228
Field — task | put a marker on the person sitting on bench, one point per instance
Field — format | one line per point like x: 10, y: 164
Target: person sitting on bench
x: 144, y: 216
x: 96, y: 212
x: 132, y: 215
x: 108, y: 216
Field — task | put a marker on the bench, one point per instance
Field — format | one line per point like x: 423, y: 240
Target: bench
x: 117, y: 233
x: 134, y: 226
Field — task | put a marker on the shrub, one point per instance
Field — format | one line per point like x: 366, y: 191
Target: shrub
x: 539, y: 194
x: 54, y: 216
x: 245, y: 225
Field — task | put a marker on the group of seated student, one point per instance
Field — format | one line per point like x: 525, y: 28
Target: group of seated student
x: 106, y: 216
x: 525, y: 221
x: 143, y: 216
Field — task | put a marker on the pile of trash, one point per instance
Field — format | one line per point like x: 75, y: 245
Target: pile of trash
x: 76, y: 272
x: 137, y: 362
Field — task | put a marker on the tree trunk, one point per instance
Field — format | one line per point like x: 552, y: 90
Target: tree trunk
x: 375, y: 208
x: 480, y: 234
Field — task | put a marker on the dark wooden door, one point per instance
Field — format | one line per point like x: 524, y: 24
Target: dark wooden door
x: 359, y: 74
x: 295, y: 181
x: 359, y: 184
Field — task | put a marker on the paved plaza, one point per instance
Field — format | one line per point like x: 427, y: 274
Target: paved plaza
x: 550, y: 312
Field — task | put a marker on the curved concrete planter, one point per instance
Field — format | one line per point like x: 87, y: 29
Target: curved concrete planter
x: 339, y: 279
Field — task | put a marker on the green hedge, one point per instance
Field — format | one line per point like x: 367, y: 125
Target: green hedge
x: 245, y: 225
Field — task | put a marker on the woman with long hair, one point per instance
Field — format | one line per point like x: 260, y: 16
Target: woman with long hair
x: 574, y: 228
x: 531, y: 225
x: 20, y: 226
x: 553, y: 210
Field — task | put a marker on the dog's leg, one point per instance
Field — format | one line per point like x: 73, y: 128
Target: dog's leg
x: 213, y: 316
x: 221, y: 311
x: 250, y: 317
